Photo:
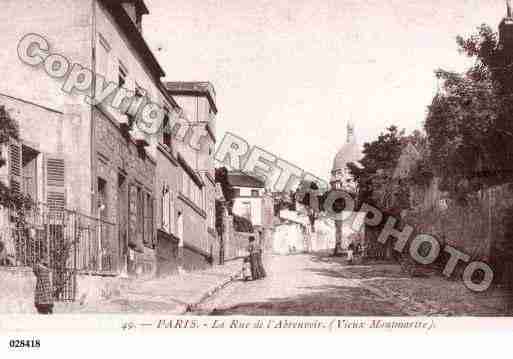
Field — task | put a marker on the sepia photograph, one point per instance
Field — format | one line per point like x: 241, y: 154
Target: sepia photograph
x: 329, y: 165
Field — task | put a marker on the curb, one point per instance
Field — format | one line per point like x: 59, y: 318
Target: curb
x: 194, y: 307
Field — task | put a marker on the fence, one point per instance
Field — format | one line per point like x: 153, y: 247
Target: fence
x: 70, y: 241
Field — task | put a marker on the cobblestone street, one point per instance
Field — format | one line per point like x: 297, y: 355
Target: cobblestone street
x: 322, y: 285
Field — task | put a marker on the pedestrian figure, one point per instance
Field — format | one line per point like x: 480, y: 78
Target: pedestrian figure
x: 253, y: 259
x: 246, y: 269
x: 359, y: 250
x: 261, y: 268
x: 350, y: 250
x: 43, y: 298
x: 4, y: 260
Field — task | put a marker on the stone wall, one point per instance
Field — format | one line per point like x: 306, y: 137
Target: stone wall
x: 18, y: 284
x: 17, y: 293
x: 477, y: 228
x: 192, y: 260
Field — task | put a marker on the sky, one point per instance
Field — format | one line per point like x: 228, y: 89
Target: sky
x: 289, y: 75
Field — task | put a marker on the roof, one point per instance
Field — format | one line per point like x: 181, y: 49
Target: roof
x: 408, y: 158
x: 239, y: 179
x: 133, y: 33
x: 201, y: 88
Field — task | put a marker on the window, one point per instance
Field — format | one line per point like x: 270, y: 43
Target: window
x: 139, y: 91
x: 165, y: 208
x: 168, y: 210
x: 148, y: 220
x: 166, y: 132
x: 191, y: 190
x: 246, y: 210
x: 254, y: 193
x: 103, y: 57
x: 122, y: 74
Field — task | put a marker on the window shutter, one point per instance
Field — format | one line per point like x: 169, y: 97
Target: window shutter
x: 15, y: 166
x: 55, y: 185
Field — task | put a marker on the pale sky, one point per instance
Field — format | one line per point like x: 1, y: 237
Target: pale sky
x: 290, y: 74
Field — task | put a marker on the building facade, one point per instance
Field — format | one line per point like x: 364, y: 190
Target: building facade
x: 194, y: 189
x: 153, y: 193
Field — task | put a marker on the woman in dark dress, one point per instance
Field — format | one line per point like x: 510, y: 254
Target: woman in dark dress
x: 253, y: 259
x: 261, y: 268
x: 43, y: 298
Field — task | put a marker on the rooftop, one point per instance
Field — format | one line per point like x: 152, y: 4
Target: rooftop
x: 202, y: 88
x: 239, y: 179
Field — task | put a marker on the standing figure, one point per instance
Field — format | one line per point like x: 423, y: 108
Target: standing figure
x: 43, y: 298
x: 246, y: 269
x: 261, y: 268
x: 350, y: 250
x: 253, y: 259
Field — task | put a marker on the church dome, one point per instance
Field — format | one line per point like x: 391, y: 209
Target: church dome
x: 349, y: 152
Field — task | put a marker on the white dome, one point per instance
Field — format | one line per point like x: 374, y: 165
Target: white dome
x: 350, y: 152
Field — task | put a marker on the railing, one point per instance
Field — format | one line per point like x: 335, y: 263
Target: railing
x: 70, y: 241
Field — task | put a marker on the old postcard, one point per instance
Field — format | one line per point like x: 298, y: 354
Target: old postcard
x: 330, y: 165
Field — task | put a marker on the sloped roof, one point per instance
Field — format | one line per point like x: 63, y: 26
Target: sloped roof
x: 239, y: 179
x: 409, y: 157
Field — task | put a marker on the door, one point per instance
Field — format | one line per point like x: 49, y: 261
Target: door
x: 179, y: 234
x: 122, y: 216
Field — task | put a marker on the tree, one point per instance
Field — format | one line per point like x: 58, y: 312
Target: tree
x: 309, y: 195
x: 8, y: 130
x: 469, y: 125
x: 8, y: 197
x: 221, y: 207
x: 378, y: 156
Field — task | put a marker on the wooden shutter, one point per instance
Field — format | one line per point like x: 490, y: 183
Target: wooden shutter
x: 15, y: 166
x: 55, y: 184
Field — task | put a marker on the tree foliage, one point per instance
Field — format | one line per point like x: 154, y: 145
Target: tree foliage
x: 469, y: 121
x: 379, y: 158
x: 9, y: 130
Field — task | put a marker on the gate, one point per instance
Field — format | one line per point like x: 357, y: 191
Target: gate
x: 70, y: 241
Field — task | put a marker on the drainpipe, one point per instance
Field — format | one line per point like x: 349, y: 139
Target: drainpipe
x: 93, y: 94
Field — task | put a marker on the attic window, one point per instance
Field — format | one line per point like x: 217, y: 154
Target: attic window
x: 122, y: 74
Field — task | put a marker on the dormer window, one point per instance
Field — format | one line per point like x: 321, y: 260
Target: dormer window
x: 166, y: 131
x: 122, y: 75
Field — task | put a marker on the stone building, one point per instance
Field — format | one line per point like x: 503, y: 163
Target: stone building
x: 254, y: 202
x: 91, y: 158
x: 187, y: 180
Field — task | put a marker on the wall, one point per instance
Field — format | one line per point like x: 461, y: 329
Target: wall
x: 256, y: 208
x: 70, y: 36
x: 17, y: 293
x: 476, y: 228
x: 235, y: 243
x: 18, y: 285
x: 289, y: 238
x: 117, y: 155
x: 167, y: 254
x: 192, y: 260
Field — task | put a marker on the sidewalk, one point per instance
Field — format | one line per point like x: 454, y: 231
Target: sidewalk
x: 175, y: 294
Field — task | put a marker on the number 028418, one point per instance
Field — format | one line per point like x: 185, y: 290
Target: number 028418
x: 24, y: 343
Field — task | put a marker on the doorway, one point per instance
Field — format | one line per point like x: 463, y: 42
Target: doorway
x: 122, y: 219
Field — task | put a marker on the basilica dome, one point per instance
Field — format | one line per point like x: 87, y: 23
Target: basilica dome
x: 349, y: 152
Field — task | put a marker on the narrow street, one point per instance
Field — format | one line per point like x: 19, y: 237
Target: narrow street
x: 307, y: 284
